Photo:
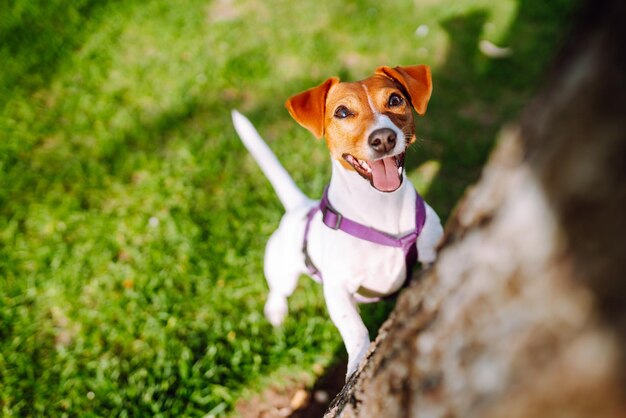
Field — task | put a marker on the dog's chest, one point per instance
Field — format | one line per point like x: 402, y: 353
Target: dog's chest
x: 357, y: 263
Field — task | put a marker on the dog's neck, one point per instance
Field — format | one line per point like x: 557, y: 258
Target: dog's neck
x: 356, y: 199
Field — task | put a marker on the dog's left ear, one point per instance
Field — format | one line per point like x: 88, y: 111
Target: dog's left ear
x: 416, y: 81
x: 308, y: 107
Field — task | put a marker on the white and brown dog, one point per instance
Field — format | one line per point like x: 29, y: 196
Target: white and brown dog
x: 364, y: 235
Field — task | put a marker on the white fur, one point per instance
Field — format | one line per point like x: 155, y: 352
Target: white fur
x: 347, y: 263
x: 288, y: 193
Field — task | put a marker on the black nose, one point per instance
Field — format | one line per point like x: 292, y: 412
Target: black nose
x: 382, y: 140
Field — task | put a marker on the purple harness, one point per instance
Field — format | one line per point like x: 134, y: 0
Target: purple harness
x: 336, y: 221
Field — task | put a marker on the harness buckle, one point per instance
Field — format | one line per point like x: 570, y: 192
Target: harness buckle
x: 338, y: 215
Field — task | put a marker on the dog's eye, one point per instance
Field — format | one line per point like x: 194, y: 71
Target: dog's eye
x: 342, y: 112
x: 395, y: 100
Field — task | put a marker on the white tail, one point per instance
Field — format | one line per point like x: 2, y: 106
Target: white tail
x: 288, y: 193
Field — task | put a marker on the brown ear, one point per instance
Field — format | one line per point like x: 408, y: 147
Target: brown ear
x: 415, y: 80
x: 308, y: 107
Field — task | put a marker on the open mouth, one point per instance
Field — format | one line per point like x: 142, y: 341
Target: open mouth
x: 384, y: 174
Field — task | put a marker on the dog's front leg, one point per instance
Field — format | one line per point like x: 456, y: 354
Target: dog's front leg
x: 429, y: 238
x: 344, y: 314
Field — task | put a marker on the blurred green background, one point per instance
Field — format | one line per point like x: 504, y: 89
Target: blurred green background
x: 133, y: 222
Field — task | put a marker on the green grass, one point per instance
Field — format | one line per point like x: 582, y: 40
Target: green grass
x: 132, y: 221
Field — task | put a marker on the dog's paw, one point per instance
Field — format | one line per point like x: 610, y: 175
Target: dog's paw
x: 427, y: 257
x: 354, y: 360
x: 352, y: 368
x: 275, y: 310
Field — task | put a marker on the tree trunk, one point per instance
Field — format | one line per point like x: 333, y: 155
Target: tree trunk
x: 524, y: 314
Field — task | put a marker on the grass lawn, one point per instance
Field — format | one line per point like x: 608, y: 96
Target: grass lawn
x: 132, y: 221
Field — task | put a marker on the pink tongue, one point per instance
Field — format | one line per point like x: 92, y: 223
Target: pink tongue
x: 385, y: 175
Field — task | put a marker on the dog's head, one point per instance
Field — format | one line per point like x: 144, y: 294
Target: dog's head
x: 368, y: 124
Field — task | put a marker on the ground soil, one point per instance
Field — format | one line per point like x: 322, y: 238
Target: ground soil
x: 296, y: 399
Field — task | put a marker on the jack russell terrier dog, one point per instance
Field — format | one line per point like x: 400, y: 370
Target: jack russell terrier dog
x: 371, y: 226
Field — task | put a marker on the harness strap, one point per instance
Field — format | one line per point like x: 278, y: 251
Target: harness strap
x: 334, y: 220
x: 313, y: 270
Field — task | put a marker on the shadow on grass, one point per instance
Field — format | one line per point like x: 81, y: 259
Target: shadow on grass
x: 39, y: 36
x: 474, y: 96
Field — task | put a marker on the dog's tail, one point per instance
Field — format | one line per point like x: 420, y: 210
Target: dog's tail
x: 288, y: 193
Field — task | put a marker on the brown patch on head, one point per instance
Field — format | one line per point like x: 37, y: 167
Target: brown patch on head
x: 362, y: 103
x: 382, y: 91
x: 346, y: 113
x: 415, y: 81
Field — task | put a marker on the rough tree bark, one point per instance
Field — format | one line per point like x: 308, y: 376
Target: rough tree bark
x: 524, y: 314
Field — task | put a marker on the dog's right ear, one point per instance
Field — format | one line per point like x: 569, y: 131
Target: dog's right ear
x: 308, y: 107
